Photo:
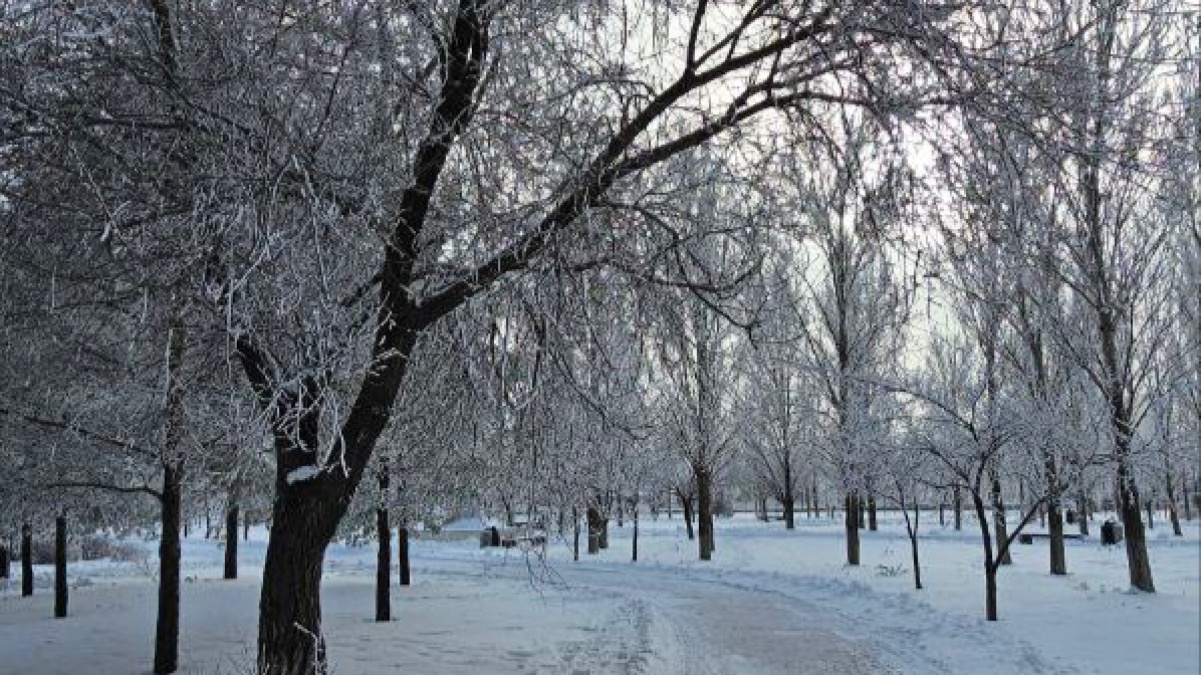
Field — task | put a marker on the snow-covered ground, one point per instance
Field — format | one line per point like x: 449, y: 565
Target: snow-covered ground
x: 770, y: 602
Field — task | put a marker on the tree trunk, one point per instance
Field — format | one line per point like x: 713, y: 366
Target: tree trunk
x: 913, y: 542
x: 26, y: 560
x: 575, y: 544
x: 1173, y: 515
x: 166, y: 633
x: 231, y: 540
x: 862, y: 522
x: 789, y: 501
x: 998, y: 514
x: 990, y: 568
x: 246, y: 528
x: 4, y: 566
x: 60, y: 567
x: 957, y: 503
x: 990, y: 592
x: 406, y: 571
x: 383, y: 560
x: 634, y: 548
x: 1138, y: 563
x: 704, y: 502
x: 1059, y: 561
x: 942, y: 519
x: 290, y: 637
x: 1188, y: 507
x: 595, y: 530
x: 871, y: 513
x: 1150, y: 514
x: 852, y: 528
x: 686, y: 506
x: 1082, y: 509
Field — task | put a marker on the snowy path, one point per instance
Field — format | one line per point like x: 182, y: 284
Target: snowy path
x: 772, y: 602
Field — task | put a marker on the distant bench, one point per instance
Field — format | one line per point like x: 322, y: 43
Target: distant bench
x: 1029, y: 537
x: 525, y: 543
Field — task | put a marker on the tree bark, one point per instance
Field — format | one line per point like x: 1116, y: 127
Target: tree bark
x: 957, y: 503
x: 26, y: 560
x: 990, y: 567
x: 789, y: 501
x: 60, y: 567
x: 402, y: 545
x: 1059, y: 562
x: 999, y: 524
x: 231, y: 540
x: 290, y: 638
x: 1150, y: 514
x: 166, y: 632
x: 704, y: 499
x: 575, y: 544
x: 1137, y: 561
x: 634, y: 548
x: 911, y: 528
x: 686, y: 507
x: 596, y: 526
x: 1188, y: 507
x: 871, y: 514
x: 4, y: 566
x: 852, y: 528
x: 383, y: 562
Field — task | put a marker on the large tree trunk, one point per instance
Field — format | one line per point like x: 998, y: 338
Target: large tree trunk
x: 1137, y: 561
x: 402, y: 553
x: 60, y: 567
x: 231, y: 539
x: 596, y: 526
x: 852, y: 528
x: 26, y: 560
x: 1059, y: 561
x: 383, y: 564
x: 166, y: 632
x: 383, y: 558
x: 704, y: 502
x: 1054, y: 515
x: 290, y: 638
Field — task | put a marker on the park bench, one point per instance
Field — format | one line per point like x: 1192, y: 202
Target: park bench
x: 1029, y: 537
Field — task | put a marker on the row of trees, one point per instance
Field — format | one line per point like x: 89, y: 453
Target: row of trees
x: 560, y: 257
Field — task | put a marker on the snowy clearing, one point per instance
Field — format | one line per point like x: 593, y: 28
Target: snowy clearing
x: 771, y: 601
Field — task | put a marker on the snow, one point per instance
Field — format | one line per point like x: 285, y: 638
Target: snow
x: 771, y: 601
x: 302, y: 473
